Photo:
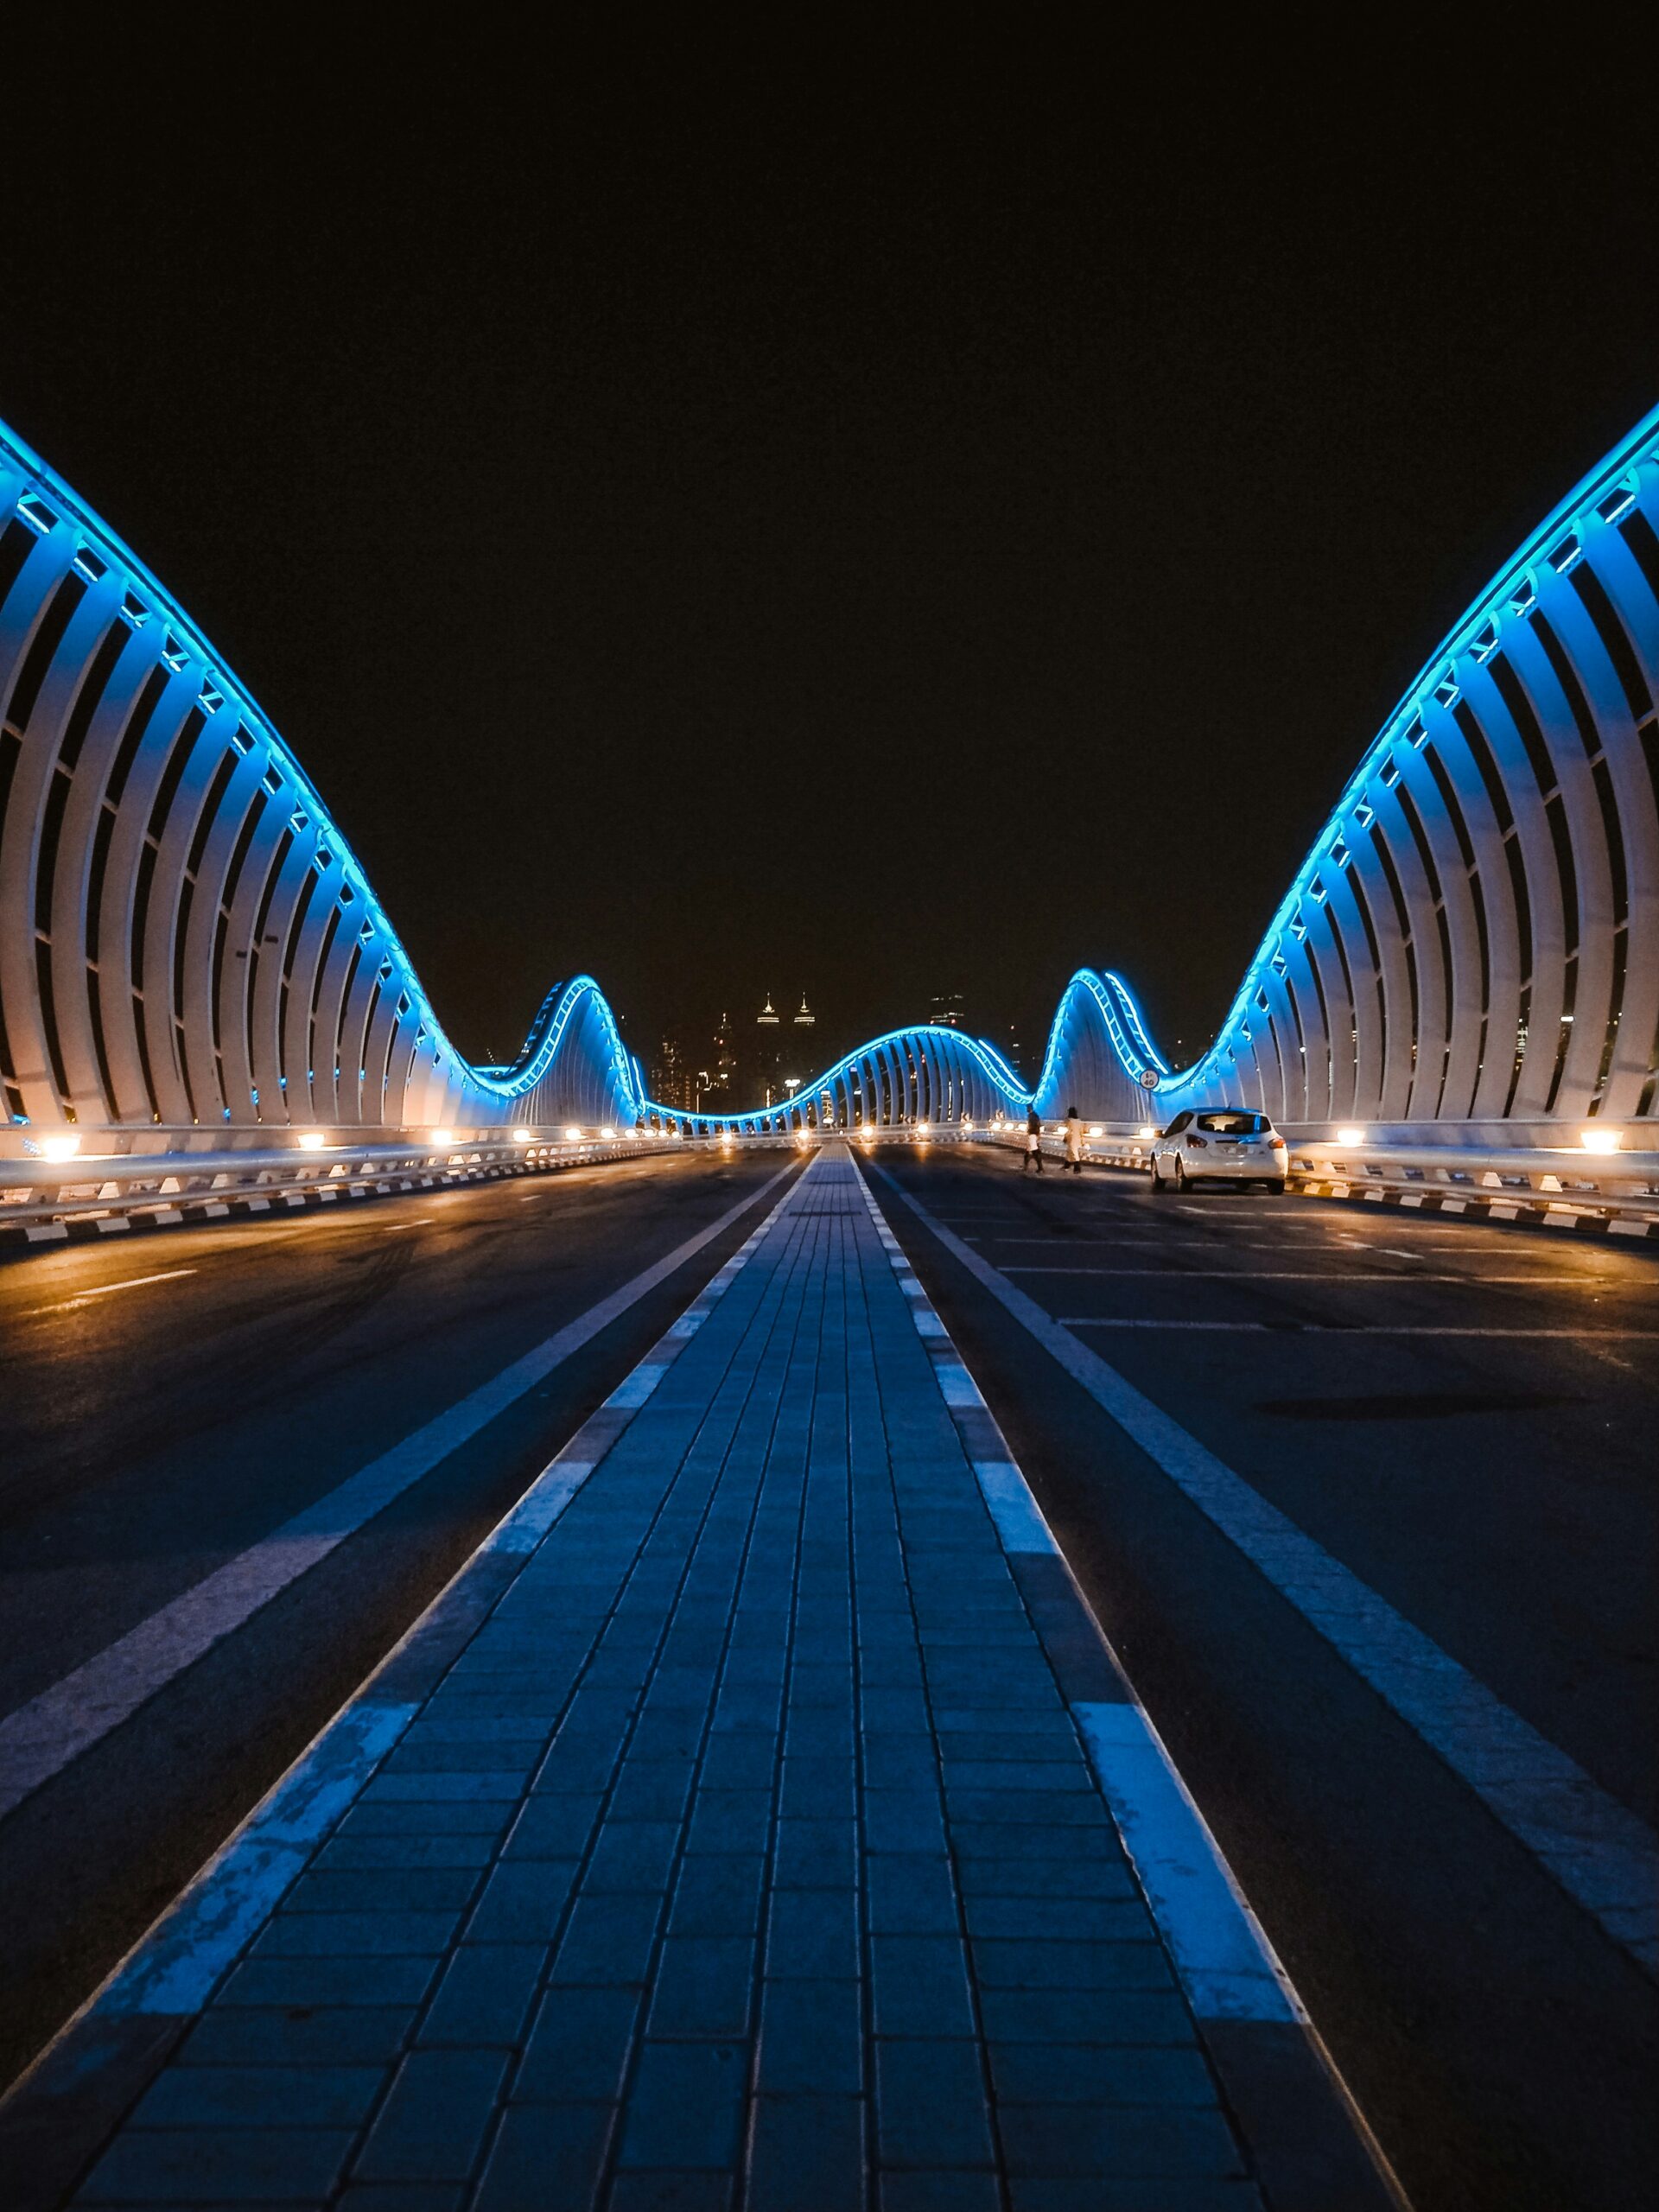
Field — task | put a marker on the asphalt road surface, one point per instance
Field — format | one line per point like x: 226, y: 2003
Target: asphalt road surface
x: 1497, y: 1490
x: 167, y: 1404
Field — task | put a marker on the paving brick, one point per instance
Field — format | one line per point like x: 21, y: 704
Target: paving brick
x: 579, y: 2046
x: 252, y: 2096
x: 1029, y: 2193
x: 204, y: 2166
x: 1121, y: 2142
x: 686, y: 2106
x: 703, y: 1987
x: 939, y: 2192
x: 384, y: 1889
x: 729, y: 1819
x: 812, y: 1933
x: 806, y: 2154
x: 609, y: 1939
x: 631, y: 1855
x: 485, y: 1995
x: 367, y: 1853
x: 426, y: 1818
x: 910, y: 1894
x: 1057, y: 2073
x: 931, y: 2105
x: 547, y: 2158
x: 330, y: 1981
x: 718, y: 1896
x: 670, y: 2192
x: 920, y: 1984
x: 903, y: 1819
x: 523, y: 1902
x: 335, y: 2036
x: 811, y: 2039
x: 553, y: 1827
x: 403, y: 2196
x: 433, y: 2123
x: 354, y: 1934
x: 1071, y: 1966
x: 1098, y: 2016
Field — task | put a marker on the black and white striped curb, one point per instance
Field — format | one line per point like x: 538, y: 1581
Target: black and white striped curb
x: 1311, y: 2145
x: 65, y: 2108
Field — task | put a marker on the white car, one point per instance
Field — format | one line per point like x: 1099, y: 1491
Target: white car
x: 1219, y: 1144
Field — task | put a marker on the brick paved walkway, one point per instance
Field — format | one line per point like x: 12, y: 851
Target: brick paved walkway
x: 737, y: 1848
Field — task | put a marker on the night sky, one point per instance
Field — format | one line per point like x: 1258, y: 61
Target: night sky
x: 824, y: 517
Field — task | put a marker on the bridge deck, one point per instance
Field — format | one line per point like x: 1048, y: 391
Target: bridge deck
x: 724, y: 1836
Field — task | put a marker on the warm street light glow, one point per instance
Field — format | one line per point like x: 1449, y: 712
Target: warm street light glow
x: 573, y: 1135
x: 1096, y: 1128
x: 1601, y: 1140
x: 521, y: 1136
x: 59, y: 1148
x: 1351, y: 1136
x: 441, y: 1136
x: 311, y: 1142
x: 608, y: 1136
x: 1148, y: 1131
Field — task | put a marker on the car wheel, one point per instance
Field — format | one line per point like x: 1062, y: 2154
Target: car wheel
x: 1158, y: 1186
x: 1276, y: 1189
x: 1183, y: 1181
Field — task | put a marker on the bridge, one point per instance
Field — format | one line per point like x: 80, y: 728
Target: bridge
x: 561, y: 1649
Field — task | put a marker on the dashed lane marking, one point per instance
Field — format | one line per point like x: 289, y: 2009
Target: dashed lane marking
x: 108, y: 1290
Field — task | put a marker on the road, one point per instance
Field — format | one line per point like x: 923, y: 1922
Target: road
x: 1462, y: 1416
x: 167, y: 1403
x: 1495, y: 1489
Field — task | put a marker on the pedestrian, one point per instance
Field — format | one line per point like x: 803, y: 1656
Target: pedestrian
x: 1034, y: 1142
x: 1073, y: 1141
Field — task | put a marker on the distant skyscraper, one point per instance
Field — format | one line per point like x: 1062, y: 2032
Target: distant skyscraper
x: 947, y: 1010
x: 670, y: 1084
x: 768, y: 1055
x: 805, y: 1018
x: 725, y: 1068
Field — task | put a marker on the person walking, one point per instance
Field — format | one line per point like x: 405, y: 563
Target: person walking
x: 1034, y: 1142
x: 1073, y: 1141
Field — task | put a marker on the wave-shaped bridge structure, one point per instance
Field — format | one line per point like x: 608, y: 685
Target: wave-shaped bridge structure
x: 187, y: 943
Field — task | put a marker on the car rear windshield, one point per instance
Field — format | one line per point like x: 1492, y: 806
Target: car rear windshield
x: 1233, y: 1122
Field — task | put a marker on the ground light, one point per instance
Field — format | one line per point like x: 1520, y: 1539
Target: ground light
x: 311, y: 1142
x: 1351, y: 1136
x: 1601, y: 1140
x: 59, y: 1148
x: 441, y: 1136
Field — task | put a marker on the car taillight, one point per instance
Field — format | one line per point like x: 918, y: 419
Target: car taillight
x: 1198, y: 1143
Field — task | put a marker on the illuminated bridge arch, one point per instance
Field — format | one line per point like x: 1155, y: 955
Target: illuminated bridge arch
x: 186, y: 939
x: 927, y: 1073
x: 1474, y: 938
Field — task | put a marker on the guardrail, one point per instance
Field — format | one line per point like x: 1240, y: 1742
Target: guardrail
x: 122, y: 1179
x: 1501, y: 1182
x: 115, y: 1179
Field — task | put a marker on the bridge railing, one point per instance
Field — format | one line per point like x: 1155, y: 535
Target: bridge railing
x: 1560, y: 1179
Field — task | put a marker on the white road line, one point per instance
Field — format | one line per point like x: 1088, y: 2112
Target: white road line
x: 385, y: 1228
x: 1355, y: 1329
x: 43, y: 1736
x: 1265, y: 1274
x: 1606, y: 1857
x: 108, y: 1290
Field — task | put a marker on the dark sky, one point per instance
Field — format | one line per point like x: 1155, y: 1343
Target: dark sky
x: 841, y: 519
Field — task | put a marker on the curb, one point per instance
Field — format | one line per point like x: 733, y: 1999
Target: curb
x: 1311, y: 2144
x: 67, y: 2105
